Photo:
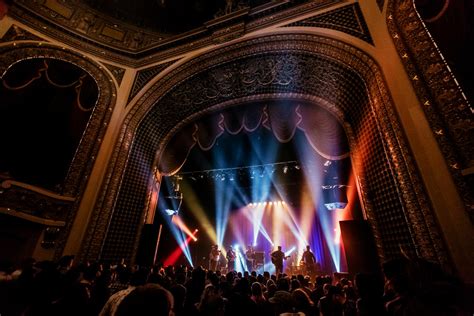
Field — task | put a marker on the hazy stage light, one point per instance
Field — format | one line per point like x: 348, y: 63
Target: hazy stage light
x: 171, y: 212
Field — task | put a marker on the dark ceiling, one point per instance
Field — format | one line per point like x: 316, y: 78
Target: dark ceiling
x: 167, y: 16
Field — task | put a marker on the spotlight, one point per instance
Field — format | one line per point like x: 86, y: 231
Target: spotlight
x: 327, y: 163
x: 285, y: 169
x: 334, y: 196
x: 171, y: 212
x: 335, y: 206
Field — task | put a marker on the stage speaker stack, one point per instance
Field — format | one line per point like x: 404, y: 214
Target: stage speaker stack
x: 359, y: 246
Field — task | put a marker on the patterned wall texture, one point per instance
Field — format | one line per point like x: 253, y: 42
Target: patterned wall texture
x: 348, y: 19
x: 117, y: 72
x: 351, y: 87
x: 449, y: 113
x: 16, y: 33
x: 144, y: 76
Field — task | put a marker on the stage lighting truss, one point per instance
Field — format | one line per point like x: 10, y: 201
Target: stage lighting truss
x: 175, y: 196
x: 252, y: 172
x: 265, y: 203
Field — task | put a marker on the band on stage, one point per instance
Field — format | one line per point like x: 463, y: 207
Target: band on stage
x: 307, y: 265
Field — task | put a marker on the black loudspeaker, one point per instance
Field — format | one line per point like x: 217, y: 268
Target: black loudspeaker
x: 359, y: 246
x: 147, y: 246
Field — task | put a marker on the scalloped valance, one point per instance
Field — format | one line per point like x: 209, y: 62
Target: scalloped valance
x: 323, y: 131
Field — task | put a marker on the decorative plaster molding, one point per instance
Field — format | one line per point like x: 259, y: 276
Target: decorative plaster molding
x: 348, y: 19
x: 449, y: 113
x: 16, y: 33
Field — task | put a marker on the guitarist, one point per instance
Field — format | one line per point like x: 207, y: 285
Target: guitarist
x: 309, y: 261
x: 277, y: 259
x: 250, y: 254
x: 214, y: 256
x: 231, y: 259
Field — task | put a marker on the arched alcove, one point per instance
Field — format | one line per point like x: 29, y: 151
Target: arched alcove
x: 46, y: 105
x: 79, y: 129
x: 300, y: 67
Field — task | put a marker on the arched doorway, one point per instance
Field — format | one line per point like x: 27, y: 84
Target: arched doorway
x: 319, y: 70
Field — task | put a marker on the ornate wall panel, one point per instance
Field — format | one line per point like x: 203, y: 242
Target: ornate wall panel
x: 87, y: 150
x: 348, y: 19
x: 16, y: 33
x: 87, y: 22
x: 144, y: 76
x: 117, y: 72
x: 449, y: 113
x: 299, y: 67
x: 77, y: 25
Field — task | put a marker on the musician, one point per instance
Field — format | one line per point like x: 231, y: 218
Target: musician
x: 250, y: 255
x: 230, y: 259
x: 214, y: 257
x: 277, y: 259
x: 309, y: 261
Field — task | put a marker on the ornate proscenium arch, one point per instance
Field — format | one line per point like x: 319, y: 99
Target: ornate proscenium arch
x: 448, y: 111
x: 84, y: 158
x: 343, y: 79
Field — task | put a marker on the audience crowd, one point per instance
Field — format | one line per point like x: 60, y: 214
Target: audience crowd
x: 407, y: 287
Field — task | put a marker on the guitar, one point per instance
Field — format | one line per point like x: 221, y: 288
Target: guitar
x: 230, y: 256
x: 275, y: 260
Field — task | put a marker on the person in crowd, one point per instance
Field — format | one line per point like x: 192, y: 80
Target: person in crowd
x: 144, y: 300
x: 211, y: 303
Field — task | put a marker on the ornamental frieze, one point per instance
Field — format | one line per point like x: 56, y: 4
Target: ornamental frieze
x: 449, y: 113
